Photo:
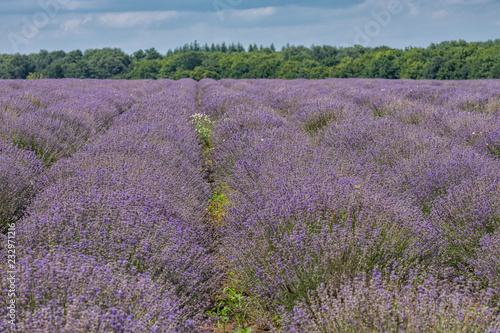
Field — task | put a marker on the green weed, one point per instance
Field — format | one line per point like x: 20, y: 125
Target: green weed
x: 217, y: 209
x: 314, y: 125
x: 231, y: 304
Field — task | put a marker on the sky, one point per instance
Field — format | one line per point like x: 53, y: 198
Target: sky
x: 28, y: 26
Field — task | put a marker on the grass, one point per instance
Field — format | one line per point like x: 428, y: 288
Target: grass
x: 218, y: 206
x: 314, y: 125
x: 232, y: 305
x: 40, y: 149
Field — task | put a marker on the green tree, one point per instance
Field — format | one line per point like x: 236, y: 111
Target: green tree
x: 383, y: 65
x: 147, y: 69
x: 20, y: 66
x: 189, y: 60
x: 411, y: 63
x: 152, y: 54
x: 55, y: 71
x: 432, y: 68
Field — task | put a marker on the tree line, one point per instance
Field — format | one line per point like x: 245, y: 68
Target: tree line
x: 449, y: 60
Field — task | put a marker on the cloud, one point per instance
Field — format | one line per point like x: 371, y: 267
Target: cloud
x: 414, y: 10
x: 253, y: 14
x: 133, y: 19
x: 75, y: 5
x: 75, y: 23
x: 440, y: 14
x: 467, y: 2
x: 133, y: 25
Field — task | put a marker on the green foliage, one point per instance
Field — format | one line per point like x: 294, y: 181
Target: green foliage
x: 494, y: 149
x: 311, y: 126
x: 217, y: 208
x: 31, y: 144
x: 231, y: 305
x: 445, y: 61
x: 34, y: 76
x: 147, y: 69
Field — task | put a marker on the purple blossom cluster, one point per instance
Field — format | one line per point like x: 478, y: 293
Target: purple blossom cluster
x: 341, y: 205
x: 330, y: 179
x: 115, y: 240
x: 21, y: 176
x: 52, y: 120
x: 62, y: 292
x: 373, y: 304
x: 55, y: 119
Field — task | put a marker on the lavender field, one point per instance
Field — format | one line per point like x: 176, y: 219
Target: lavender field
x: 339, y: 205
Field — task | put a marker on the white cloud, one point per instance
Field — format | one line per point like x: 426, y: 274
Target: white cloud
x: 419, y: 24
x: 414, y: 10
x: 440, y: 14
x: 80, y: 4
x: 253, y: 14
x: 75, y: 23
x: 467, y: 2
x: 132, y: 19
x: 367, y: 5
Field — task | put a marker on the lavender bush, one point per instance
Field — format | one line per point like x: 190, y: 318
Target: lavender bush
x: 130, y: 202
x: 20, y: 176
x: 330, y: 179
x: 64, y: 292
x: 324, y: 206
x: 372, y: 304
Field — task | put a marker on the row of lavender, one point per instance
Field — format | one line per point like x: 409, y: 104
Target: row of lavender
x: 114, y: 239
x: 44, y: 121
x: 335, y: 180
x: 354, y: 204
